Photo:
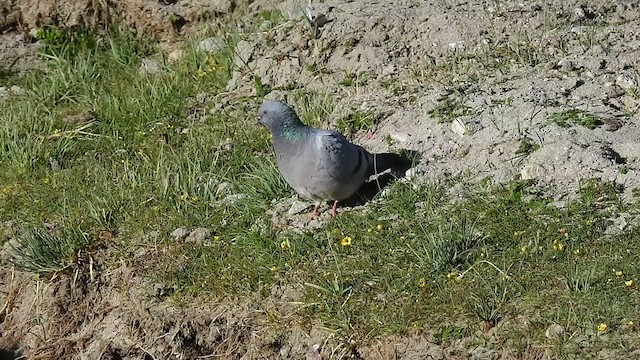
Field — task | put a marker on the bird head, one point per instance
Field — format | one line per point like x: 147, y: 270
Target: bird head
x: 277, y: 115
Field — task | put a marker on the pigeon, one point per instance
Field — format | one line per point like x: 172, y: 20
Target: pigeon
x: 320, y: 164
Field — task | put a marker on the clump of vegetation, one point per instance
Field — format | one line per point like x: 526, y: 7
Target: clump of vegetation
x: 356, y: 121
x: 526, y: 147
x: 449, y: 110
x: 39, y: 251
x: 575, y: 117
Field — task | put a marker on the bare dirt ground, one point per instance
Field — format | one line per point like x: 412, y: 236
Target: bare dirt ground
x: 505, y: 67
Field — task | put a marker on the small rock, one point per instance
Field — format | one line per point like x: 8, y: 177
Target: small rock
x: 149, y: 66
x: 10, y: 247
x: 560, y: 204
x: 233, y: 198
x: 226, y: 145
x: 532, y: 172
x: 388, y: 70
x: 411, y: 174
x: 626, y: 82
x: 210, y: 44
x: 199, y: 235
x: 16, y: 90
x: 244, y: 52
x: 463, y: 128
x: 223, y: 188
x: 579, y: 11
x: 180, y: 233
x: 457, y: 45
x: 554, y: 331
x: 399, y: 137
x: 297, y: 207
x: 565, y: 65
x: 176, y: 55
x: 314, y: 16
x: 54, y: 164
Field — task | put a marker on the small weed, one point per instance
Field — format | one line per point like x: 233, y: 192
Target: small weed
x: 39, y: 251
x: 355, y: 79
x: 447, y: 333
x: 275, y: 16
x: 315, y: 70
x: 527, y: 147
x: 575, y: 117
x: 261, y: 88
x: 65, y: 43
x: 356, y: 121
x: 450, y: 110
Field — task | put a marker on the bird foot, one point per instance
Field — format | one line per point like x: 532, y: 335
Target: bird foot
x: 334, y: 209
x: 313, y: 215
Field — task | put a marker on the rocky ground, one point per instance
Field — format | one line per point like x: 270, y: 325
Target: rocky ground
x: 539, y: 91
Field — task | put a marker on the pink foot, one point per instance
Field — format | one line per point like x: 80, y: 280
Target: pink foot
x: 314, y: 214
x: 335, y: 208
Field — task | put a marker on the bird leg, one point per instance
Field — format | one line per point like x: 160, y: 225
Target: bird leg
x: 335, y: 208
x: 314, y: 214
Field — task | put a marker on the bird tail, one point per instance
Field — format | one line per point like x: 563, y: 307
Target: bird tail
x: 379, y: 163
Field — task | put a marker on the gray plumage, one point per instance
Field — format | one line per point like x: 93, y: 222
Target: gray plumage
x: 319, y: 164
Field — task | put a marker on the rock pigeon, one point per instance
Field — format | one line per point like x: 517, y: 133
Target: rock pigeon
x: 320, y: 164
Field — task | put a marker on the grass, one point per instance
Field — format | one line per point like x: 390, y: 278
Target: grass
x: 449, y: 110
x: 153, y: 158
x: 572, y: 117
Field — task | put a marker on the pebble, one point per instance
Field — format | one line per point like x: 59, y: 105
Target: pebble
x: 554, y: 331
x: 297, y: 207
x: 626, y: 82
x: 176, y: 55
x: 464, y: 128
x: 399, y: 137
x: 223, y: 188
x: 532, y: 172
x: 180, y: 233
x: 210, y: 44
x: 149, y: 66
x: 199, y: 235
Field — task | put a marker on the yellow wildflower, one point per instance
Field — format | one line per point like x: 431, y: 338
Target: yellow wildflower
x: 558, y: 246
x: 346, y: 241
x: 452, y: 275
x: 422, y: 282
x: 201, y: 73
x: 523, y: 250
x: 379, y: 227
x: 618, y: 273
x: 285, y: 244
x: 369, y: 230
x: 628, y: 283
x: 217, y: 238
x: 273, y: 268
x: 602, y: 327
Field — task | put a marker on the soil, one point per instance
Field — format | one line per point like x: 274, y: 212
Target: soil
x: 506, y: 67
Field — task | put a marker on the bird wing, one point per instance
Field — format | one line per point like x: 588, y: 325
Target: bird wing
x: 342, y: 160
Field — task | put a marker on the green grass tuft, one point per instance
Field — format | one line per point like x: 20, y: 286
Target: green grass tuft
x: 39, y: 251
x: 575, y: 117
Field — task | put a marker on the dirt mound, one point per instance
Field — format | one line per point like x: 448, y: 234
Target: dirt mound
x: 537, y: 91
x: 164, y: 19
